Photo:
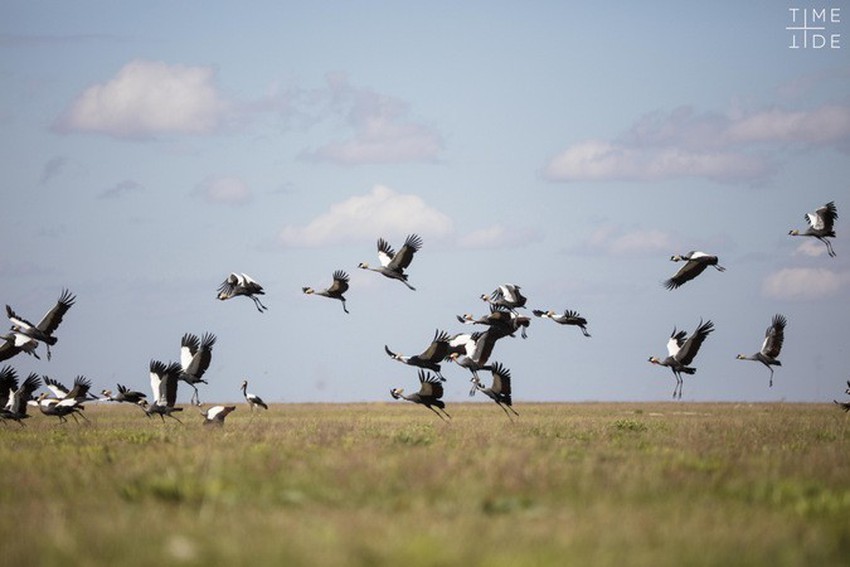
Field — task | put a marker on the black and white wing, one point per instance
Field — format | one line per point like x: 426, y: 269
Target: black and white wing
x: 690, y: 270
x: 824, y: 218
x: 50, y: 321
x: 674, y: 344
x: 430, y: 386
x: 774, y: 336
x: 340, y: 283
x: 57, y: 388
x: 196, y: 354
x: 692, y: 345
x: 398, y: 262
x: 501, y: 380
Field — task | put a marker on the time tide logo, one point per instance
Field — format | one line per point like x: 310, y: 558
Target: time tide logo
x: 814, y: 28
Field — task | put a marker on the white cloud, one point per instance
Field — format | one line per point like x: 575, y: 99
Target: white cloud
x: 499, y: 236
x: 811, y: 247
x: 613, y: 240
x: 225, y: 190
x: 380, y: 212
x: 724, y: 148
x: 804, y: 283
x: 147, y: 98
x: 383, y: 130
x: 597, y: 160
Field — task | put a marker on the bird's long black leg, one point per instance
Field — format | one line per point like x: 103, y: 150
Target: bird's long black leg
x: 344, y: 308
x: 505, y: 409
x: 771, y: 377
x: 513, y: 410
x: 259, y: 304
x: 82, y: 415
x: 435, y: 411
x: 174, y: 418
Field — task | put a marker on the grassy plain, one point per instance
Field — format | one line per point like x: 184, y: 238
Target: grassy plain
x: 390, y: 484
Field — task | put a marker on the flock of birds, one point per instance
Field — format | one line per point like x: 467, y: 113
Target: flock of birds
x: 472, y: 350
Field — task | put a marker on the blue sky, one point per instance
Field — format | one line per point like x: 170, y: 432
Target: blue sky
x: 570, y: 149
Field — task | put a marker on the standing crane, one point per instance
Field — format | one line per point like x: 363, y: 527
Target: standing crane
x: 681, y: 351
x: 16, y: 407
x: 43, y: 331
x: 195, y: 357
x: 500, y: 390
x: 821, y: 225
x: 241, y: 284
x: 774, y: 336
x: 164, y: 388
x: 506, y: 295
x: 429, y: 394
x: 430, y: 358
x: 392, y: 264
x: 568, y: 317
x: 252, y: 399
x: 695, y: 263
x: 336, y: 289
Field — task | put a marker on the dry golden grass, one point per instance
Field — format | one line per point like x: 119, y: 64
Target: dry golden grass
x: 390, y: 484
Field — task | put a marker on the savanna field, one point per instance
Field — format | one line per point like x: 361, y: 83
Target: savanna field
x: 391, y: 484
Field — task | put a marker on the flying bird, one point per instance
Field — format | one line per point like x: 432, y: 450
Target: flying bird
x: 216, y: 414
x: 242, y: 284
x: 431, y: 357
x: 695, y: 263
x: 16, y: 406
x: 681, y: 351
x: 774, y: 336
x: 252, y: 399
x: 125, y: 395
x: 335, y: 291
x: 568, y: 317
x: 195, y: 357
x: 164, y: 388
x: 506, y: 295
x: 500, y: 390
x: 392, y: 264
x: 429, y: 394
x: 43, y: 331
x: 821, y: 225
x: 79, y: 392
x: 14, y: 343
x: 8, y: 384
x: 472, y: 351
x: 501, y: 320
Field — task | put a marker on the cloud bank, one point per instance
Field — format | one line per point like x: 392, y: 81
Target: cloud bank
x: 683, y: 143
x: 804, y: 284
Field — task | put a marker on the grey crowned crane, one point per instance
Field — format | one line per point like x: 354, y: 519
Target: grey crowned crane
x: 844, y: 405
x: 195, y: 358
x: 502, y: 320
x: 681, y: 351
x: 506, y: 295
x: 821, y: 225
x: 473, y: 351
x: 16, y: 407
x: 500, y: 390
x: 66, y: 402
x: 695, y: 263
x: 252, y: 399
x: 126, y: 395
x: 774, y: 336
x: 568, y: 317
x: 79, y: 392
x: 431, y: 357
x: 429, y: 394
x: 241, y: 284
x: 43, y: 331
x: 164, y: 388
x: 392, y: 264
x: 336, y: 289
x: 14, y: 343
x: 216, y: 414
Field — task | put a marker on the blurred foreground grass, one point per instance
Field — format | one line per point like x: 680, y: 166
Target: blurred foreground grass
x: 390, y: 484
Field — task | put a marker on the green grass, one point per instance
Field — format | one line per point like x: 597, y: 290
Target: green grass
x: 390, y: 484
